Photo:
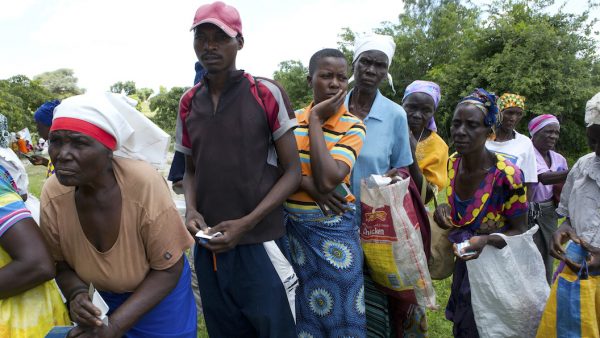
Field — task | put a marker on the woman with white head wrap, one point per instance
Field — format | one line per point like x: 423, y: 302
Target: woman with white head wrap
x: 580, y: 204
x: 370, y: 42
x: 386, y: 146
x: 110, y: 221
x: 135, y: 136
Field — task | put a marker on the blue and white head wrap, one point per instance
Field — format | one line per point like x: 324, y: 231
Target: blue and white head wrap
x: 486, y: 102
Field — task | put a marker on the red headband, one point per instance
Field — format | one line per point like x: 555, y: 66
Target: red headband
x: 84, y: 127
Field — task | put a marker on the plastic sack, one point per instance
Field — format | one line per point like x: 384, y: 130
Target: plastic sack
x: 573, y: 309
x: 391, y: 243
x: 509, y: 288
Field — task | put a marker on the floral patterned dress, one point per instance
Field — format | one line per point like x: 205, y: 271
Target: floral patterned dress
x: 500, y: 196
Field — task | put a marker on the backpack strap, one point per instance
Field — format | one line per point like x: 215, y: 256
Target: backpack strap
x: 258, y: 94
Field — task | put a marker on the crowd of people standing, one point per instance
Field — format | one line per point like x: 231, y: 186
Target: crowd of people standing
x: 273, y: 202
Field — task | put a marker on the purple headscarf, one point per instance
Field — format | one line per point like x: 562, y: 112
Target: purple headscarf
x: 427, y: 87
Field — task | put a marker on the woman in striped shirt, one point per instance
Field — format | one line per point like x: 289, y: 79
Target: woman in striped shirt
x: 323, y: 235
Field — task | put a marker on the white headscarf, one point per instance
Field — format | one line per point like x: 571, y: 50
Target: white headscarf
x: 372, y: 41
x: 136, y: 136
x: 592, y: 111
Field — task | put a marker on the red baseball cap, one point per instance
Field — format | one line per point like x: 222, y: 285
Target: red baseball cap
x: 221, y: 15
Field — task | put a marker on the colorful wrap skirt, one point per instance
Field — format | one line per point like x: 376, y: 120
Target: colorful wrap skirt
x: 326, y: 254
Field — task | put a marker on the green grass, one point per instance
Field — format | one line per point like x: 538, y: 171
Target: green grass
x: 37, y: 177
x: 439, y: 326
x: 202, y: 333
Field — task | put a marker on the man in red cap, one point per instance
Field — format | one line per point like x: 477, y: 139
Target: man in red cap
x: 241, y: 164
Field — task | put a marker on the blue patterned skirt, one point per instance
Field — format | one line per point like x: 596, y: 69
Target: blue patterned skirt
x: 327, y: 257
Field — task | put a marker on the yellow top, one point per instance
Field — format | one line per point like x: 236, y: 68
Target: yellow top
x: 432, y: 157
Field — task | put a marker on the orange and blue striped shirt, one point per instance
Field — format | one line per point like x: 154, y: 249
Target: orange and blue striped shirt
x: 344, y: 136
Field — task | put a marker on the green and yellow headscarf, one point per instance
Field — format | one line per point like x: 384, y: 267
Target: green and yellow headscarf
x: 508, y: 100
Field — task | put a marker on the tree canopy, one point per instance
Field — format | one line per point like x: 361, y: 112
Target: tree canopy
x: 292, y: 76
x: 62, y: 83
x: 19, y: 98
x: 516, y: 46
x: 165, y: 105
x: 128, y: 87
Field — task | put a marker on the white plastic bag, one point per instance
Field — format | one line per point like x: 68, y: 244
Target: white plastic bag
x: 391, y: 243
x: 285, y: 271
x: 509, y: 288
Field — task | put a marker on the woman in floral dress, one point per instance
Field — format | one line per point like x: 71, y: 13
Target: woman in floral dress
x: 486, y: 195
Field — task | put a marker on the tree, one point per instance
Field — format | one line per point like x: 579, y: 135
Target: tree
x: 165, y: 105
x: 61, y: 83
x: 128, y: 87
x: 551, y: 59
x: 19, y: 98
x: 516, y: 46
x: 292, y: 76
x: 144, y: 93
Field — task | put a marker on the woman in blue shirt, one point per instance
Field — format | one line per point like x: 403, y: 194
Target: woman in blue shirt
x: 386, y: 147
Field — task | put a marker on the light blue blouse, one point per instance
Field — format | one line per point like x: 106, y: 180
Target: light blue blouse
x: 387, y: 143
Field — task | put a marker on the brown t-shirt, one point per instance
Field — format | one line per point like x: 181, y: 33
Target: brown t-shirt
x: 151, y: 236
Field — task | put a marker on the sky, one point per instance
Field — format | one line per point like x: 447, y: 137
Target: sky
x: 149, y: 42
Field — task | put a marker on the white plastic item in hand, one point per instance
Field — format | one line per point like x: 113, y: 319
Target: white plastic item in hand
x: 374, y: 181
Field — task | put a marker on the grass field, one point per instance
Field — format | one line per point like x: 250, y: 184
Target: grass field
x: 439, y: 327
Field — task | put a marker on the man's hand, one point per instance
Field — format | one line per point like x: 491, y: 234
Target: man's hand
x: 232, y: 231
x: 441, y: 216
x: 38, y: 160
x: 559, y: 238
x: 594, y: 258
x: 194, y: 221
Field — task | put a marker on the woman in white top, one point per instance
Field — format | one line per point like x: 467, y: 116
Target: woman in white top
x: 508, y: 141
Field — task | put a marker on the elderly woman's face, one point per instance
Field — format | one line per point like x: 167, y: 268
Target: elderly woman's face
x: 511, y: 117
x: 419, y: 109
x: 468, y: 131
x: 370, y: 69
x: 77, y: 158
x: 593, y: 135
x: 546, y: 138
